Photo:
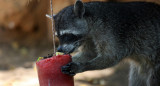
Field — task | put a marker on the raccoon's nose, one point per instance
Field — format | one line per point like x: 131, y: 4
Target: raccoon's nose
x: 59, y: 49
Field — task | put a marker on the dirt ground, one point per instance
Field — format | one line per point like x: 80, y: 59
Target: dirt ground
x: 28, y: 77
x: 17, y: 68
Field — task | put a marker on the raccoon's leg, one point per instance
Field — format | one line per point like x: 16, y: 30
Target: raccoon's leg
x: 135, y: 79
x: 155, y: 78
x: 100, y: 62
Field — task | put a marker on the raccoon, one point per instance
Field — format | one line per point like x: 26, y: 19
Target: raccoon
x: 107, y: 33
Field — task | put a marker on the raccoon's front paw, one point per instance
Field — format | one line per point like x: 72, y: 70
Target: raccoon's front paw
x: 71, y: 68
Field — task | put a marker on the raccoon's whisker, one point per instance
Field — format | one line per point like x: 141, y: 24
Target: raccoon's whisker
x: 80, y: 40
x: 77, y: 42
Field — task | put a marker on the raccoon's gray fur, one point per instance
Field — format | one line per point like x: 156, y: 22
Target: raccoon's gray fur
x: 109, y: 32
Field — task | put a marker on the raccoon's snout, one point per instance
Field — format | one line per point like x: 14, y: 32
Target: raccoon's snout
x: 66, y: 48
x: 59, y: 49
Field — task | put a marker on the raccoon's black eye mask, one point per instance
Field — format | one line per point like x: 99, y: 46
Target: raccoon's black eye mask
x: 69, y: 37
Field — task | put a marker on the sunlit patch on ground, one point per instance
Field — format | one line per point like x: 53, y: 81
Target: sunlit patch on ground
x: 28, y: 77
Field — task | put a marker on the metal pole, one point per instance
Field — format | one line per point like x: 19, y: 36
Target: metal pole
x: 53, y: 28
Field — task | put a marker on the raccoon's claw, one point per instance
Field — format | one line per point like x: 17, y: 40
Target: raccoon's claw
x: 70, y: 68
x: 66, y: 70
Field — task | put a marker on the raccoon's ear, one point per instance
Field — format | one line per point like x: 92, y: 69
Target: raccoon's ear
x: 79, y: 9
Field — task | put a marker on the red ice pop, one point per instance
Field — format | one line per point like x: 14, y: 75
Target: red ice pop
x: 49, y: 71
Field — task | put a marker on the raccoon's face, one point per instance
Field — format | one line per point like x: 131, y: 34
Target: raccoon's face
x: 71, y: 27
